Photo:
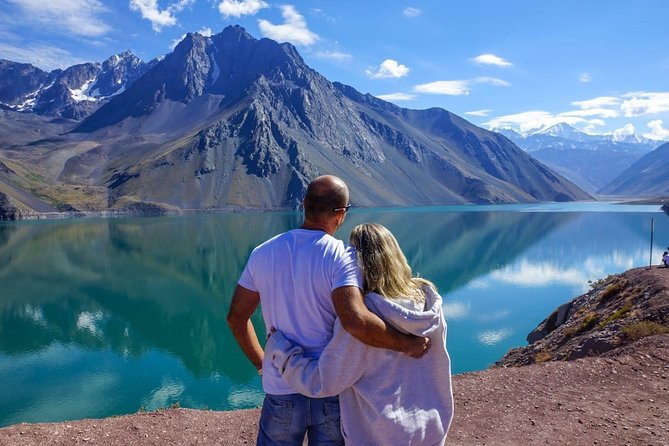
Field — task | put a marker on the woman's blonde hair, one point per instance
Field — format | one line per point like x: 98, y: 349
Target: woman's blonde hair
x: 384, y: 267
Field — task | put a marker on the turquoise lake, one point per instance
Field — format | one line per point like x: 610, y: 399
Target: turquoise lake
x: 106, y: 317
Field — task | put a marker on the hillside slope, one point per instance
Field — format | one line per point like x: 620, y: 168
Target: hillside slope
x: 647, y: 177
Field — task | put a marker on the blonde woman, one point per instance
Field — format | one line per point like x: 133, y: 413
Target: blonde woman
x: 385, y: 397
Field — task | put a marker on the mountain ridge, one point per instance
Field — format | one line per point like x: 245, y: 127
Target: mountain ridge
x: 590, y: 161
x: 648, y: 176
x: 234, y: 121
x: 72, y: 93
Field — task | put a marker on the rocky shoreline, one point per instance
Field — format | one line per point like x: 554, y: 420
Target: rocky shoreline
x: 618, y: 310
x: 579, y: 382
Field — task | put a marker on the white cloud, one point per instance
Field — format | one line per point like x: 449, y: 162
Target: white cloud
x: 491, y: 59
x: 91, y: 322
x: 657, y: 132
x: 159, y: 18
x: 602, y: 101
x: 601, y: 112
x: 78, y: 17
x: 621, y: 133
x: 494, y: 337
x: 168, y: 392
x: 43, y: 56
x: 333, y: 55
x: 396, y: 97
x: 491, y: 81
x: 294, y: 30
x: 585, y: 77
x: 645, y: 103
x: 484, y: 112
x: 238, y: 8
x: 458, y: 87
x: 594, y: 122
x: 206, y: 32
x: 389, y: 68
x: 453, y: 88
x: 410, y: 11
x: 526, y: 121
x: 532, y: 274
x: 454, y: 310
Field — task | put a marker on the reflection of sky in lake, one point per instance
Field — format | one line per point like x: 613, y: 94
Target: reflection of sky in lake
x: 104, y: 317
x: 495, y: 311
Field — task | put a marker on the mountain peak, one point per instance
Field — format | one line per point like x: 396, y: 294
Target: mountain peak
x: 125, y: 55
x: 190, y: 41
x: 560, y: 130
x: 124, y: 58
x: 236, y: 32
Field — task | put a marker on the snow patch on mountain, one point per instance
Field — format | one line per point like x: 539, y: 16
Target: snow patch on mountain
x: 215, y: 69
x: 28, y: 102
x: 81, y: 94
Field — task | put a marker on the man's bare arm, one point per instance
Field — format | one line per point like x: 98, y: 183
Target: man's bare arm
x: 370, y: 329
x: 244, y: 303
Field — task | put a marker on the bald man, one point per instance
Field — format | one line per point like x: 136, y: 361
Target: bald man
x: 305, y: 278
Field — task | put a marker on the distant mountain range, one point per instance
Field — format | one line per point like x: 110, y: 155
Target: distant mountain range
x: 647, y: 177
x: 590, y: 161
x: 71, y: 93
x: 230, y: 121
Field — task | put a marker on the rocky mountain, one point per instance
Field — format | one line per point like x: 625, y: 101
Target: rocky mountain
x: 590, y: 161
x: 71, y: 93
x: 647, y: 177
x: 19, y: 80
x: 232, y: 121
x: 618, y: 310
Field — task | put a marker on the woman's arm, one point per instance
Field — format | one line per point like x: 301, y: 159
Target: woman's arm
x: 341, y: 364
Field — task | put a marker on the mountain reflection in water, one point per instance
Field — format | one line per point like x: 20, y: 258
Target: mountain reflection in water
x: 102, y: 317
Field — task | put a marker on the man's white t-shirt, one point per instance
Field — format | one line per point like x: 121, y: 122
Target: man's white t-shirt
x: 295, y: 274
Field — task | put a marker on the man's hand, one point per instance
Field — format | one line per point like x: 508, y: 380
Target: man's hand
x: 416, y: 346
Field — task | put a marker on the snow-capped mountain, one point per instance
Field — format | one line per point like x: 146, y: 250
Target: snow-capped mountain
x: 71, y: 93
x: 633, y: 138
x: 561, y: 130
x: 537, y: 139
x: 590, y: 161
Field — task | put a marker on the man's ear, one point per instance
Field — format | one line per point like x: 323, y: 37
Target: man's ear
x: 341, y: 218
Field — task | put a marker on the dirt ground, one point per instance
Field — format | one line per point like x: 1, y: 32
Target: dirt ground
x: 619, y: 399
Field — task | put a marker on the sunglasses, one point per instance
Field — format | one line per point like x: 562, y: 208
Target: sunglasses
x: 345, y: 208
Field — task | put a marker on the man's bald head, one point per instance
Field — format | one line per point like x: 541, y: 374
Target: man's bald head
x: 324, y: 194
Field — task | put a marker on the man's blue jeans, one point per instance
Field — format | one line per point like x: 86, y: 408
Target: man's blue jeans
x: 286, y: 418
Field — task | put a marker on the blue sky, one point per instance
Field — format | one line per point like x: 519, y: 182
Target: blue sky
x: 600, y: 65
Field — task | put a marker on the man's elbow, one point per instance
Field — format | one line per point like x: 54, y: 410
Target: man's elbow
x: 355, y: 325
x: 235, y: 322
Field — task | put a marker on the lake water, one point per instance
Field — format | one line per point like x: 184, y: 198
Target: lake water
x: 105, y: 317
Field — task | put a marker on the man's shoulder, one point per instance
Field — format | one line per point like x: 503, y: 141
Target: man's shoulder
x: 307, y: 240
x: 272, y: 240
